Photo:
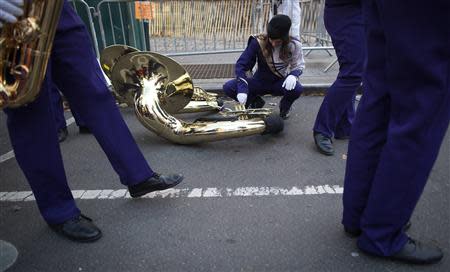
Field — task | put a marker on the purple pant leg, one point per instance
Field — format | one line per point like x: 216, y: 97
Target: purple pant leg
x: 345, y: 25
x: 401, y: 121
x: 58, y: 108
x: 255, y: 88
x: 77, y: 74
x: 32, y: 130
x: 288, y: 96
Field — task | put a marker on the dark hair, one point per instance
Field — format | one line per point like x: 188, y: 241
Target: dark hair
x: 279, y: 26
x: 285, y: 52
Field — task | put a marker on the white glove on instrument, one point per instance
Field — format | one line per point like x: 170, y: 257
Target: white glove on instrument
x: 10, y: 10
x: 242, y: 98
x: 289, y: 82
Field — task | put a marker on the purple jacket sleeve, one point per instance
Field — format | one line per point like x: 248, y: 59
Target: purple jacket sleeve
x: 245, y: 63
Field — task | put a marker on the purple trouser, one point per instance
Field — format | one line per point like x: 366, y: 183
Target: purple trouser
x: 59, y: 110
x: 73, y: 68
x: 259, y: 87
x: 401, y: 120
x: 344, y: 23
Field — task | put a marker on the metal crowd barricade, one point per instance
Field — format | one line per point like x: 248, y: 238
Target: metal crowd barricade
x: 85, y: 12
x: 181, y: 26
x: 312, y: 25
x: 197, y: 26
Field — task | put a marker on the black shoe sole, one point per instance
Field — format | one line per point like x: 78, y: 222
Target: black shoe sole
x: 139, y: 194
x: 409, y: 261
x: 352, y: 234
x: 405, y: 261
x: 88, y: 240
x: 357, y: 233
x: 323, y: 151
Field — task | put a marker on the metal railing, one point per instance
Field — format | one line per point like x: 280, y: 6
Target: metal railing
x: 186, y: 27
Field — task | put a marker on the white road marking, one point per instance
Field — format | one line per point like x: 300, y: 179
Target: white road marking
x: 10, y: 154
x: 7, y: 156
x: 209, y: 192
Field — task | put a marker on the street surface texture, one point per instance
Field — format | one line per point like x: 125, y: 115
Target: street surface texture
x: 237, y: 209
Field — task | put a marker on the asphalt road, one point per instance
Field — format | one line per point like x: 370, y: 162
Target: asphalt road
x: 230, y: 233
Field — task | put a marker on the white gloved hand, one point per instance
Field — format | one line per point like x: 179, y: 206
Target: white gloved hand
x: 10, y: 10
x: 242, y: 98
x: 289, y: 82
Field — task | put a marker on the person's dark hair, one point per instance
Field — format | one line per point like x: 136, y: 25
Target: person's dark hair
x: 285, y: 52
x: 278, y: 28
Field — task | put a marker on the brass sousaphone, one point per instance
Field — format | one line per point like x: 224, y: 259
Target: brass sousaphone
x: 162, y: 87
x: 201, y: 100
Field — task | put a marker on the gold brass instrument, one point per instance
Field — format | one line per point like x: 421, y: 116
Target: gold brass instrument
x: 163, y: 87
x: 25, y: 48
x: 201, y: 100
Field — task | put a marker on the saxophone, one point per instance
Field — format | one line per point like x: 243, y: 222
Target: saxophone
x: 25, y: 48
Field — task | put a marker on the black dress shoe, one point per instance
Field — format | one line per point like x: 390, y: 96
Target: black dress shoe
x: 155, y: 183
x: 354, y: 233
x: 342, y: 137
x: 257, y: 103
x: 285, y: 113
x: 324, y: 144
x: 62, y: 134
x: 79, y: 229
x: 415, y: 252
x: 84, y: 130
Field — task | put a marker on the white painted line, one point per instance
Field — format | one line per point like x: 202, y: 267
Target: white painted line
x: 77, y: 193
x: 209, y: 192
x: 118, y: 194
x: 7, y: 156
x: 30, y: 198
x: 91, y: 194
x: 196, y: 192
x: 20, y: 196
x: 11, y: 155
x: 105, y: 194
x: 7, y: 196
x: 70, y: 121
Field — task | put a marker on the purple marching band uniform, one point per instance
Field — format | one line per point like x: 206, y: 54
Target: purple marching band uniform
x: 74, y: 70
x: 401, y: 120
x: 270, y: 74
x: 59, y: 111
x: 344, y: 22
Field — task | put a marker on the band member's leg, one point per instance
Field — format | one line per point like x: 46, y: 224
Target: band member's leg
x: 33, y: 136
x: 77, y: 74
x: 58, y: 108
x: 345, y: 25
x: 78, y: 120
x: 344, y: 126
x: 288, y: 96
x: 255, y: 89
x: 368, y: 135
x: 418, y: 113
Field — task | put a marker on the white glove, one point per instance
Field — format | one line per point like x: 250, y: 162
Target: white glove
x: 10, y: 10
x: 289, y: 82
x: 242, y: 98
